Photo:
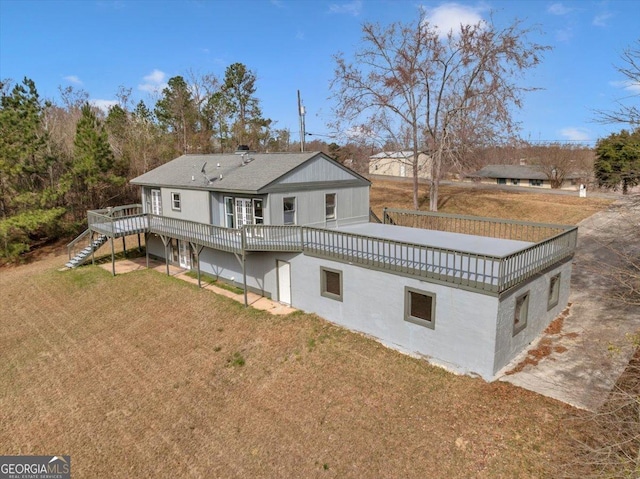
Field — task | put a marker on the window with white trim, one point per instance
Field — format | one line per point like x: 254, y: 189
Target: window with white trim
x: 420, y: 307
x: 175, y: 201
x: 228, y: 212
x: 331, y: 283
x: 289, y: 208
x: 554, y: 291
x: 330, y: 206
x: 258, y: 211
x: 521, y: 313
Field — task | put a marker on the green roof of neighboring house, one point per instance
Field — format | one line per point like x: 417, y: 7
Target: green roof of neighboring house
x: 232, y: 172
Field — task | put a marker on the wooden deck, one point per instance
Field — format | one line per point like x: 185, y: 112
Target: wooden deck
x: 489, y: 273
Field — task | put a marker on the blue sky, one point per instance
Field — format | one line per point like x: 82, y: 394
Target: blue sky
x: 100, y: 45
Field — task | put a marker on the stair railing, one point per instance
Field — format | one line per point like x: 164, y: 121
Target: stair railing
x: 71, y: 246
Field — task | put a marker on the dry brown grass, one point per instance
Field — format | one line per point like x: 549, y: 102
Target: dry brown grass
x: 143, y: 375
x: 137, y: 376
x: 489, y: 202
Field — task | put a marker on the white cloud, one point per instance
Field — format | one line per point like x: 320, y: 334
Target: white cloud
x: 575, y: 134
x: 558, y: 9
x: 154, y: 82
x: 564, y: 34
x: 628, y: 85
x: 104, y: 105
x: 277, y: 3
x: 73, y: 79
x: 600, y: 20
x: 350, y: 8
x: 299, y: 35
x: 449, y: 16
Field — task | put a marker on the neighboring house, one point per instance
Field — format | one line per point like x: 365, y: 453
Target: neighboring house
x: 467, y: 293
x: 521, y: 175
x: 399, y: 163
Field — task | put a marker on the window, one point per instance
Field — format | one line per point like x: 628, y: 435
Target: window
x: 258, y: 211
x: 156, y: 202
x: 502, y: 181
x: 289, y: 206
x: 554, y: 291
x: 515, y: 181
x: 535, y: 182
x: 330, y: 206
x: 331, y: 283
x: 521, y: 313
x: 420, y: 307
x: 228, y: 212
x: 175, y: 201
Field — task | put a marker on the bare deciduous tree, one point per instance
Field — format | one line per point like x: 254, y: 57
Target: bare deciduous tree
x: 558, y: 161
x: 628, y: 111
x: 434, y: 92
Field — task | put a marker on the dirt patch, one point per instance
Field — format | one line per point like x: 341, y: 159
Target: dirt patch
x: 545, y: 346
x: 555, y: 327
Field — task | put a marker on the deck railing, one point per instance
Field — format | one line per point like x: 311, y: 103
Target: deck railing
x: 118, y: 221
x: 472, y: 270
x: 480, y: 272
x: 473, y: 225
x: 217, y: 237
x: 521, y: 265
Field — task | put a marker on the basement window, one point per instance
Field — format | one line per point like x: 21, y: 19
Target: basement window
x: 521, y: 313
x: 175, y: 201
x: 554, y: 291
x: 420, y: 307
x: 331, y: 283
x: 535, y: 182
x: 501, y: 181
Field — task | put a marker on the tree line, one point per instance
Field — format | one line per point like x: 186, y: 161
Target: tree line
x: 59, y: 159
x: 449, y: 95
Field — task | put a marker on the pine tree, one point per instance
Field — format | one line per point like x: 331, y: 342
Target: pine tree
x: 93, y: 176
x: 24, y: 164
x: 618, y: 160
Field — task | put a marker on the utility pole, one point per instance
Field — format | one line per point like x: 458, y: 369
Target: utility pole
x: 301, y: 113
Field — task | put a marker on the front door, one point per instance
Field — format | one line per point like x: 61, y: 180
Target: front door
x: 284, y: 282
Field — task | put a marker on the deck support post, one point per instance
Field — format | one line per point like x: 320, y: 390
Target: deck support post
x: 139, y: 244
x: 197, y: 249
x: 244, y: 264
x: 165, y: 242
x: 124, y: 246
x: 146, y: 247
x: 113, y: 258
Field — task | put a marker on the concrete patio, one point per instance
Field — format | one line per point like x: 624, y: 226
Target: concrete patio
x: 580, y: 358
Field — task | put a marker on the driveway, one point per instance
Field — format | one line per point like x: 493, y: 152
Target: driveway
x: 579, y: 362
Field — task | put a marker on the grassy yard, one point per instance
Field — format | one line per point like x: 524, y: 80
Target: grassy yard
x: 188, y: 384
x: 143, y: 375
x: 490, y: 202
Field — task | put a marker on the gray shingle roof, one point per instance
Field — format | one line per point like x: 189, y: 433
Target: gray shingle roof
x: 522, y: 172
x: 186, y: 171
x: 394, y: 154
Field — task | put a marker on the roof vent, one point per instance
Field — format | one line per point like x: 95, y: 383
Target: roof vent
x: 242, y: 149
